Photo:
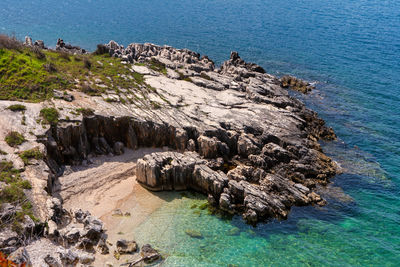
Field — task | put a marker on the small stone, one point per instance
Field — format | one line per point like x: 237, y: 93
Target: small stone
x: 117, y: 212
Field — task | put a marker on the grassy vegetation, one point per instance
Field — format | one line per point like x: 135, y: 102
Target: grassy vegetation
x: 182, y: 77
x: 13, y: 193
x: 50, y: 115
x: 85, y: 111
x: 14, y: 139
x: 156, y: 65
x: 32, y: 74
x: 17, y: 107
x: 205, y: 76
x: 33, y: 153
x: 3, y: 152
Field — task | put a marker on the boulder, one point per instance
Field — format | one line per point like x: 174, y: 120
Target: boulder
x: 118, y: 148
x: 28, y: 41
x: 93, y: 228
x: 126, y: 247
x: 68, y: 258
x: 149, y: 254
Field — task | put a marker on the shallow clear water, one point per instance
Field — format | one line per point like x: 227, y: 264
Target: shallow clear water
x: 352, y: 48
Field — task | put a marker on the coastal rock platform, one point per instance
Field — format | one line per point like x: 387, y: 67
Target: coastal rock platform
x: 233, y: 133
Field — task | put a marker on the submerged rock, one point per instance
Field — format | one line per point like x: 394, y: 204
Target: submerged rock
x: 193, y: 233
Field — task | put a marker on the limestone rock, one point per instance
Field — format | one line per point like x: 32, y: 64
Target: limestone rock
x: 126, y: 247
x: 51, y: 261
x: 20, y: 256
x: 149, y: 254
x: 9, y: 241
x: 68, y: 257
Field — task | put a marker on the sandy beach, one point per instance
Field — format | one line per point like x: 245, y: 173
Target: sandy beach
x: 107, y: 185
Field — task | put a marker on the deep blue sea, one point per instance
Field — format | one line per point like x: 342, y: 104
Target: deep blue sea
x: 351, y: 48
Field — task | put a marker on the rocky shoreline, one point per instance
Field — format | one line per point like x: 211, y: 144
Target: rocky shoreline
x: 234, y: 134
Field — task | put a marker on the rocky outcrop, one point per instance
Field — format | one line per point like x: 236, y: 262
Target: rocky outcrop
x: 239, y: 137
x: 268, y: 195
x: 255, y: 148
x: 68, y: 48
x: 297, y: 84
x: 177, y: 58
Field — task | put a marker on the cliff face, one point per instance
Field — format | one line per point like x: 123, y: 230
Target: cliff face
x: 235, y: 132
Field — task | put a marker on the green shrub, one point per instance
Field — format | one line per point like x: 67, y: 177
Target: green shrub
x: 205, y: 76
x: 6, y: 166
x: 33, y: 153
x: 25, y: 184
x: 156, y: 65
x: 12, y: 193
x: 101, y: 50
x: 50, y: 115
x: 17, y: 107
x: 85, y: 111
x: 50, y: 67
x: 14, y: 139
x: 3, y: 152
x: 38, y: 53
x: 109, y: 100
x: 87, y: 63
x: 64, y: 55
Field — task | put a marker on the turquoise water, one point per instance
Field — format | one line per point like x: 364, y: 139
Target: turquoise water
x: 351, y: 47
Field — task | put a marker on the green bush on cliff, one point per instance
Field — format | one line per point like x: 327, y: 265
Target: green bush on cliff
x: 85, y: 111
x: 14, y: 139
x: 13, y: 192
x: 50, y: 115
x: 33, y: 153
x: 158, y: 66
x: 17, y: 107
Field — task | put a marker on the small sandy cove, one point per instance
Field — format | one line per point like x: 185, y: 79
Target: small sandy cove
x: 107, y: 185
